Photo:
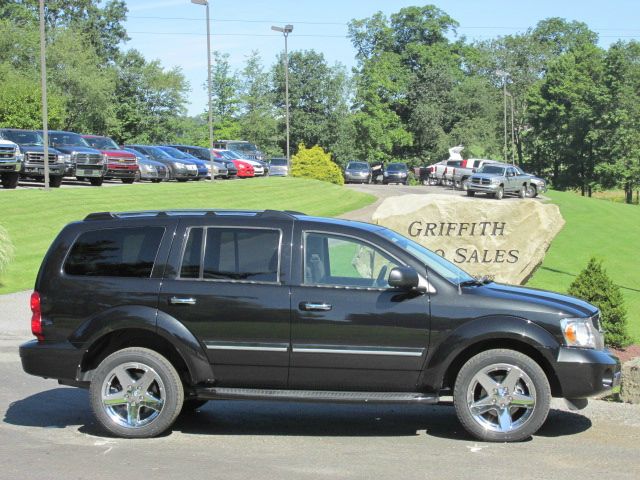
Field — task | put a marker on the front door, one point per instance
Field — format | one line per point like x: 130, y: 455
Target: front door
x: 350, y: 330
x: 229, y: 289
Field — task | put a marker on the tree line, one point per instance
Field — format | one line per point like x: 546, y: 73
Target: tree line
x: 417, y: 89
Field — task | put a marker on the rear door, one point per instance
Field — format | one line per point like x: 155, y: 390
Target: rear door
x: 228, y: 286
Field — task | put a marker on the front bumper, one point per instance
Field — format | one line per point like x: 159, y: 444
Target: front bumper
x: 89, y: 171
x: 37, y: 170
x: 278, y: 172
x: 120, y: 173
x: 477, y: 187
x: 183, y: 173
x: 59, y: 360
x: 394, y: 179
x: 12, y: 166
x: 584, y: 373
x: 356, y: 178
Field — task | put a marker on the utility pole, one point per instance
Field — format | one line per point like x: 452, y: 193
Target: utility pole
x: 43, y: 82
x: 286, y: 31
x: 504, y: 76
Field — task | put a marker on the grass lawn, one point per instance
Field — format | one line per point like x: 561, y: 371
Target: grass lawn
x: 611, y: 232
x: 34, y: 217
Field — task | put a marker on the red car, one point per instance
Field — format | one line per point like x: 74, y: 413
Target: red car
x: 120, y: 163
x: 245, y: 169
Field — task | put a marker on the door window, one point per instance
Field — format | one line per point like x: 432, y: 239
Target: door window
x: 236, y: 254
x: 344, y: 261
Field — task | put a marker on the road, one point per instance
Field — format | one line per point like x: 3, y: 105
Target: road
x: 48, y: 432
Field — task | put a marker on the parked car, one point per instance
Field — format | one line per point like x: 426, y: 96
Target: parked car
x: 204, y: 168
x: 149, y: 169
x: 10, y: 163
x: 247, y: 149
x: 278, y: 167
x: 180, y: 170
x: 120, y: 163
x: 441, y: 173
x: 357, y: 172
x: 536, y: 184
x: 86, y: 163
x: 395, y: 173
x: 260, y: 169
x: 497, y: 180
x: 31, y: 150
x: 462, y: 173
x: 205, y: 154
x: 158, y: 312
x: 244, y: 168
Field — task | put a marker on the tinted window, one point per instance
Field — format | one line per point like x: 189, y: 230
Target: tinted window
x: 115, y: 252
x: 358, y: 166
x: 335, y: 260
x: 103, y: 143
x: 23, y: 137
x: 396, y: 167
x: 278, y: 162
x: 232, y: 254
x: 492, y: 169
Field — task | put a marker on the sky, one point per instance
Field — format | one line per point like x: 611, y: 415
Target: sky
x: 174, y: 31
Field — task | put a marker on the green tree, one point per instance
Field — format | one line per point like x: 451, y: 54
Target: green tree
x: 594, y: 286
x: 315, y: 163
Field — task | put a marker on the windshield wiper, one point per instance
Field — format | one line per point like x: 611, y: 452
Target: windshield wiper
x: 476, y: 281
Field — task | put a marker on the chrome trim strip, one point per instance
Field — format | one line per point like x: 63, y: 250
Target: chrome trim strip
x: 259, y: 347
x: 405, y: 352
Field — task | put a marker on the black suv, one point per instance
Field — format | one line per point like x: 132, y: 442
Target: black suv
x: 157, y: 312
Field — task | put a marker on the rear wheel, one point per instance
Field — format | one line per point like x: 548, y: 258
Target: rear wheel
x: 96, y: 181
x: 502, y: 396
x: 10, y: 180
x: 136, y: 393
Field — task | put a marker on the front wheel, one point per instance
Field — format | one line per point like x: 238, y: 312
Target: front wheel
x: 96, y: 181
x: 501, y: 396
x: 128, y: 180
x: 471, y: 193
x: 532, y: 191
x: 55, y: 181
x: 10, y: 180
x: 499, y: 193
x: 136, y: 393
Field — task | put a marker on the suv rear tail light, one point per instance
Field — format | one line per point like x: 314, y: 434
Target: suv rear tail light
x: 36, y: 316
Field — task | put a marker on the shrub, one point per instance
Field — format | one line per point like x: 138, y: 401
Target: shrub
x: 6, y: 250
x: 594, y: 286
x: 315, y: 163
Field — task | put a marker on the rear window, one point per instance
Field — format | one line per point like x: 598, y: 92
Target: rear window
x: 241, y: 254
x: 115, y: 252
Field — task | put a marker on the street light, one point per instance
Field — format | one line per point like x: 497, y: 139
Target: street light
x: 286, y: 30
x: 206, y: 4
x: 504, y: 76
x: 43, y: 81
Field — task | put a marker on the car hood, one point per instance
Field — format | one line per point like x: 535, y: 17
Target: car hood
x: 486, y: 175
x: 77, y: 149
x: 539, y: 300
x: 118, y: 153
x: 37, y: 149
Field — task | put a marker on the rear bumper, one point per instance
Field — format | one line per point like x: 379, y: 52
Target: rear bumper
x: 584, y: 373
x: 59, y: 360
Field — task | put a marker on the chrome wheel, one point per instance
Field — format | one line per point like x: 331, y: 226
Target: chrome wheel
x: 501, y: 397
x: 133, y: 395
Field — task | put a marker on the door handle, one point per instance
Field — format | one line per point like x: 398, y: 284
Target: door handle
x: 318, y: 307
x: 182, y: 301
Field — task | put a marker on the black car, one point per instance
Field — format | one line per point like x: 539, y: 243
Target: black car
x: 203, y: 153
x: 395, y: 173
x: 158, y: 312
x: 32, y: 147
x: 179, y: 169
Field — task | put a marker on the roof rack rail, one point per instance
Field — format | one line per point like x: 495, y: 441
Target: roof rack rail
x: 283, y: 214
x: 100, y: 216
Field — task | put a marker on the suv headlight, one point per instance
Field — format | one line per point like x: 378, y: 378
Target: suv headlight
x: 579, y: 332
x: 65, y: 158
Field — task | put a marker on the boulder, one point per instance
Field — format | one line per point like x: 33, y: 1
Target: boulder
x: 630, y: 390
x: 505, y: 240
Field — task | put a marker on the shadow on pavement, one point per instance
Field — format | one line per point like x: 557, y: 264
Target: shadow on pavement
x: 66, y: 407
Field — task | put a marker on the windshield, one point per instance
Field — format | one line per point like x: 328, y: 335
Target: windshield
x: 24, y: 138
x: 66, y: 139
x: 357, y: 166
x: 491, y: 169
x: 279, y: 162
x: 175, y: 153
x: 396, y: 167
x: 103, y: 143
x: 231, y: 155
x: 431, y: 260
x: 242, y: 147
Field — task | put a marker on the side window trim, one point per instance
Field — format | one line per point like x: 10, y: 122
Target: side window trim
x: 350, y: 237
x: 203, y: 247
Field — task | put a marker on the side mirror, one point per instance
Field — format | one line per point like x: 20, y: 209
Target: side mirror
x: 405, y: 278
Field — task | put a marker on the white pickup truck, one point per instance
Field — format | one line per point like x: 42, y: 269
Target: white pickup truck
x: 441, y: 173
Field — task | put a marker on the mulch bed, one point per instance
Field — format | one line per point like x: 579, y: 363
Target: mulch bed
x: 627, y: 353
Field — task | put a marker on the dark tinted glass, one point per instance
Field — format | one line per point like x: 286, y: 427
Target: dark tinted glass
x: 115, y: 252
x: 241, y: 254
x: 396, y: 167
x: 192, y: 255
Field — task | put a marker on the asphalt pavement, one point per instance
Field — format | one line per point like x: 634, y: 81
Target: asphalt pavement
x: 48, y: 432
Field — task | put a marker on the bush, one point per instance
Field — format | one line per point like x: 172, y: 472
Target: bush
x: 6, y: 250
x: 315, y: 163
x: 594, y: 286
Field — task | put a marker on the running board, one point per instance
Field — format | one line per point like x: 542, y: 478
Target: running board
x: 313, y: 395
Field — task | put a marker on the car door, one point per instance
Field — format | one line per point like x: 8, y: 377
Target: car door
x: 228, y: 286
x: 512, y: 179
x: 350, y: 330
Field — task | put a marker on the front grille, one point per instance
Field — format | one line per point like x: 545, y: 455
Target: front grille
x: 7, y: 152
x: 480, y: 181
x: 122, y: 160
x: 87, y: 159
x: 37, y: 157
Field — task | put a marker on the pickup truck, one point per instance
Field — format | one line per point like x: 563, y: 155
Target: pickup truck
x: 498, y: 180
x: 461, y: 174
x: 84, y: 162
x: 120, y: 163
x: 32, y: 147
x: 441, y: 173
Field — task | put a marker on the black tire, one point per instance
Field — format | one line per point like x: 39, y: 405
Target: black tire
x: 471, y: 193
x: 499, y: 195
x: 156, y: 180
x: 523, y: 192
x: 182, y: 179
x: 10, y: 180
x: 96, y: 181
x: 55, y: 182
x: 191, y: 405
x: 163, y: 373
x: 457, y: 184
x: 495, y: 419
x: 128, y: 181
x: 433, y: 182
x: 465, y: 184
